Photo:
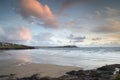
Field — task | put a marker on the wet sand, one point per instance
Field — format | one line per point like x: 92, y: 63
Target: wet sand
x: 27, y: 69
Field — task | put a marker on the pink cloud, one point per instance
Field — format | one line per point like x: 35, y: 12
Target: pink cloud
x: 33, y: 8
x: 24, y: 34
x: 13, y: 34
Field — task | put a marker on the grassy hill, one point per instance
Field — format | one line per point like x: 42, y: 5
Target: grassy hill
x: 8, y: 46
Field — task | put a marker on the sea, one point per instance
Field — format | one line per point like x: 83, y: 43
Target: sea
x: 84, y: 57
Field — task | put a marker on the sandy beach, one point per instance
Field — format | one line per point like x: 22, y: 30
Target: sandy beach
x: 27, y: 69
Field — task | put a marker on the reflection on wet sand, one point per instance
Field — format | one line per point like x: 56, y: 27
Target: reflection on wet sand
x: 13, y: 57
x: 24, y: 57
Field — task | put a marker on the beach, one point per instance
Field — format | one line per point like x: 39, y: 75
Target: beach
x: 32, y: 71
x: 55, y: 63
x: 27, y: 69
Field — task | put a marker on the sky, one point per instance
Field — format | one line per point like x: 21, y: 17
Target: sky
x: 60, y: 22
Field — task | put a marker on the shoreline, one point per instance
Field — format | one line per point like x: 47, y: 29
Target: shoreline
x: 32, y: 71
x: 28, y: 69
x: 107, y: 72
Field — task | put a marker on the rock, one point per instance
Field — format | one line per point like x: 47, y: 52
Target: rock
x: 33, y: 77
x: 109, y: 67
x: 45, y: 78
x: 72, y: 73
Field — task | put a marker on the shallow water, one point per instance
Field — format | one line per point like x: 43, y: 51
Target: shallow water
x: 86, y: 58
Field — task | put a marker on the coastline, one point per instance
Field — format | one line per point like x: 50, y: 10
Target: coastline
x: 108, y: 72
x: 17, y: 48
x: 28, y: 69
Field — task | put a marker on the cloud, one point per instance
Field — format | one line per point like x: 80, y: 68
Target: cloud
x: 96, y: 39
x: 101, y: 15
x: 96, y: 15
x: 76, y: 39
x: 111, y: 11
x: 70, y: 23
x: 24, y: 34
x: 69, y: 3
x: 76, y: 26
x: 108, y: 40
x: 57, y: 40
x: 43, y: 37
x: 114, y: 37
x: 13, y: 34
x: 35, y: 10
x: 1, y: 31
x: 112, y: 26
x: 105, y: 20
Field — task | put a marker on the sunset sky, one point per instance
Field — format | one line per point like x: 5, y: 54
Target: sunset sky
x: 60, y: 22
